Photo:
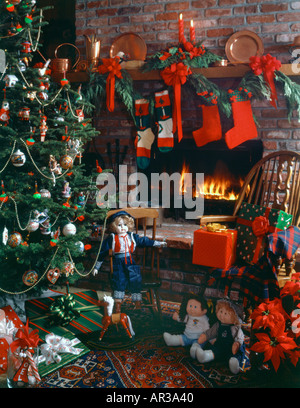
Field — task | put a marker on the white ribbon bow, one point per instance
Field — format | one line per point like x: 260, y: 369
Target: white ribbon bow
x: 55, y: 345
x: 7, y: 329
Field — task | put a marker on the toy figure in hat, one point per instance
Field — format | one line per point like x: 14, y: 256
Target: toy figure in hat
x: 193, y: 312
x: 122, y: 241
x: 229, y: 338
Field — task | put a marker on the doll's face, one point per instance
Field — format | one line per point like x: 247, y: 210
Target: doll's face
x: 225, y: 316
x: 121, y: 226
x: 194, y: 308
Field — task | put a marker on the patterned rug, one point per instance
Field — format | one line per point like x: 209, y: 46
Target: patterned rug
x: 144, y: 362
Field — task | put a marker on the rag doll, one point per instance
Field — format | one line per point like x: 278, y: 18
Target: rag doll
x: 123, y: 242
x: 229, y: 338
x: 193, y: 312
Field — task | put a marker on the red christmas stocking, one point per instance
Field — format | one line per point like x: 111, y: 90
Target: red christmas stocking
x: 244, y: 125
x: 211, y: 124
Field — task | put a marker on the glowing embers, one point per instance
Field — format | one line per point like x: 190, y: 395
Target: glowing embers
x: 221, y: 185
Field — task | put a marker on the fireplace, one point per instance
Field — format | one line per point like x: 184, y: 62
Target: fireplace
x: 224, y: 172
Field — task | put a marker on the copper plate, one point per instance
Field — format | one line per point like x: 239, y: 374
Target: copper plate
x: 242, y: 45
x: 131, y: 44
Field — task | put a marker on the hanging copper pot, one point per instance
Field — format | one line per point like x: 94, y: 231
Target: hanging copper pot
x: 63, y: 65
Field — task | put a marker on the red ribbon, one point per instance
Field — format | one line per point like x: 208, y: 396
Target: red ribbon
x: 25, y: 338
x: 260, y: 226
x: 266, y: 65
x: 113, y: 67
x: 175, y: 75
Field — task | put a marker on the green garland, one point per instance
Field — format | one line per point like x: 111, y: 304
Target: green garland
x: 194, y: 57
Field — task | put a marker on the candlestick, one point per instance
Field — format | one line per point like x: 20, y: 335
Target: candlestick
x: 192, y: 32
x: 181, y: 30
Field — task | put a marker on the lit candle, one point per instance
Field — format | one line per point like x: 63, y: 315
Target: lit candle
x: 192, y: 32
x: 181, y: 30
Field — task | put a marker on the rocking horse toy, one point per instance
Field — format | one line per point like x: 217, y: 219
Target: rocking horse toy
x: 110, y: 318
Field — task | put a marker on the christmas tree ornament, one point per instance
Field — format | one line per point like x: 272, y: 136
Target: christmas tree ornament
x: 10, y: 7
x: 18, y: 158
x: 30, y: 141
x: 36, y: 194
x: 80, y: 200
x: 68, y: 268
x: 45, y: 227
x: 66, y: 162
x: 4, y: 112
x: 66, y: 192
x: 53, y: 275
x: 163, y: 113
x: 80, y: 115
x: 244, y: 126
x: 211, y: 129
x: 24, y: 113
x: 45, y: 68
x: 69, y: 229
x: 26, y: 47
x: 30, y: 277
x: 10, y: 80
x: 22, y: 66
x: 145, y: 136
x: 66, y: 137
x: 64, y: 81
x: 73, y: 147
x: 32, y: 226
x: 45, y: 193
x: 14, y: 240
x: 5, y: 236
x: 28, y: 19
x: 19, y: 28
x: 55, y: 168
x: 80, y: 246
x: 43, y: 127
x: 3, y: 196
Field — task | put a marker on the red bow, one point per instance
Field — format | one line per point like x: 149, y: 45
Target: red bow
x: 113, y: 67
x: 260, y: 226
x: 175, y: 75
x: 266, y: 65
x: 25, y: 338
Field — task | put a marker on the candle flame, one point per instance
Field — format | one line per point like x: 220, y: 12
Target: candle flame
x: 192, y: 23
x: 180, y: 16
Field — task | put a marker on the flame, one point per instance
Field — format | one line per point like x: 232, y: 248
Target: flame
x: 222, y: 185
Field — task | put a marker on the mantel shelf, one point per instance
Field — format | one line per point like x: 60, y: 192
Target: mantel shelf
x: 230, y: 71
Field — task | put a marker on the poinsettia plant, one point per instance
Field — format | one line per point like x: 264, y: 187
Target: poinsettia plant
x: 276, y: 325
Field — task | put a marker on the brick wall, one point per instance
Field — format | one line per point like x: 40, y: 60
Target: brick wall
x: 277, y: 23
x: 214, y: 20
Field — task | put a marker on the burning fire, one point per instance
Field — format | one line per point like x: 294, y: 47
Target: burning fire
x: 220, y: 186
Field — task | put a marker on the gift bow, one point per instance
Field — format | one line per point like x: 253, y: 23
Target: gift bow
x: 175, y: 75
x: 113, y: 68
x: 55, y: 345
x: 266, y: 65
x: 25, y: 338
x: 63, y: 310
x: 260, y: 226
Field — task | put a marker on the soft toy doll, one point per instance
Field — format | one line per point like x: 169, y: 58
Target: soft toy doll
x: 122, y: 241
x: 192, y: 311
x: 229, y: 337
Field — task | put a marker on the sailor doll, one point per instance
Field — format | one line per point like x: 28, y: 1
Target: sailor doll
x: 122, y: 241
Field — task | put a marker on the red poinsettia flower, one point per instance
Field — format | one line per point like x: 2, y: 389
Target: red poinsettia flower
x: 274, y: 348
x: 294, y: 356
x: 268, y: 314
x: 291, y: 288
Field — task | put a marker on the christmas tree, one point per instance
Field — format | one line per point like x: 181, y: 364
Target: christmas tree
x: 46, y: 210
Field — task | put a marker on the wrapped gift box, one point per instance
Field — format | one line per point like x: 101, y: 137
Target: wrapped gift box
x: 214, y: 249
x: 9, y: 324
x: 253, y: 224
x: 89, y: 320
